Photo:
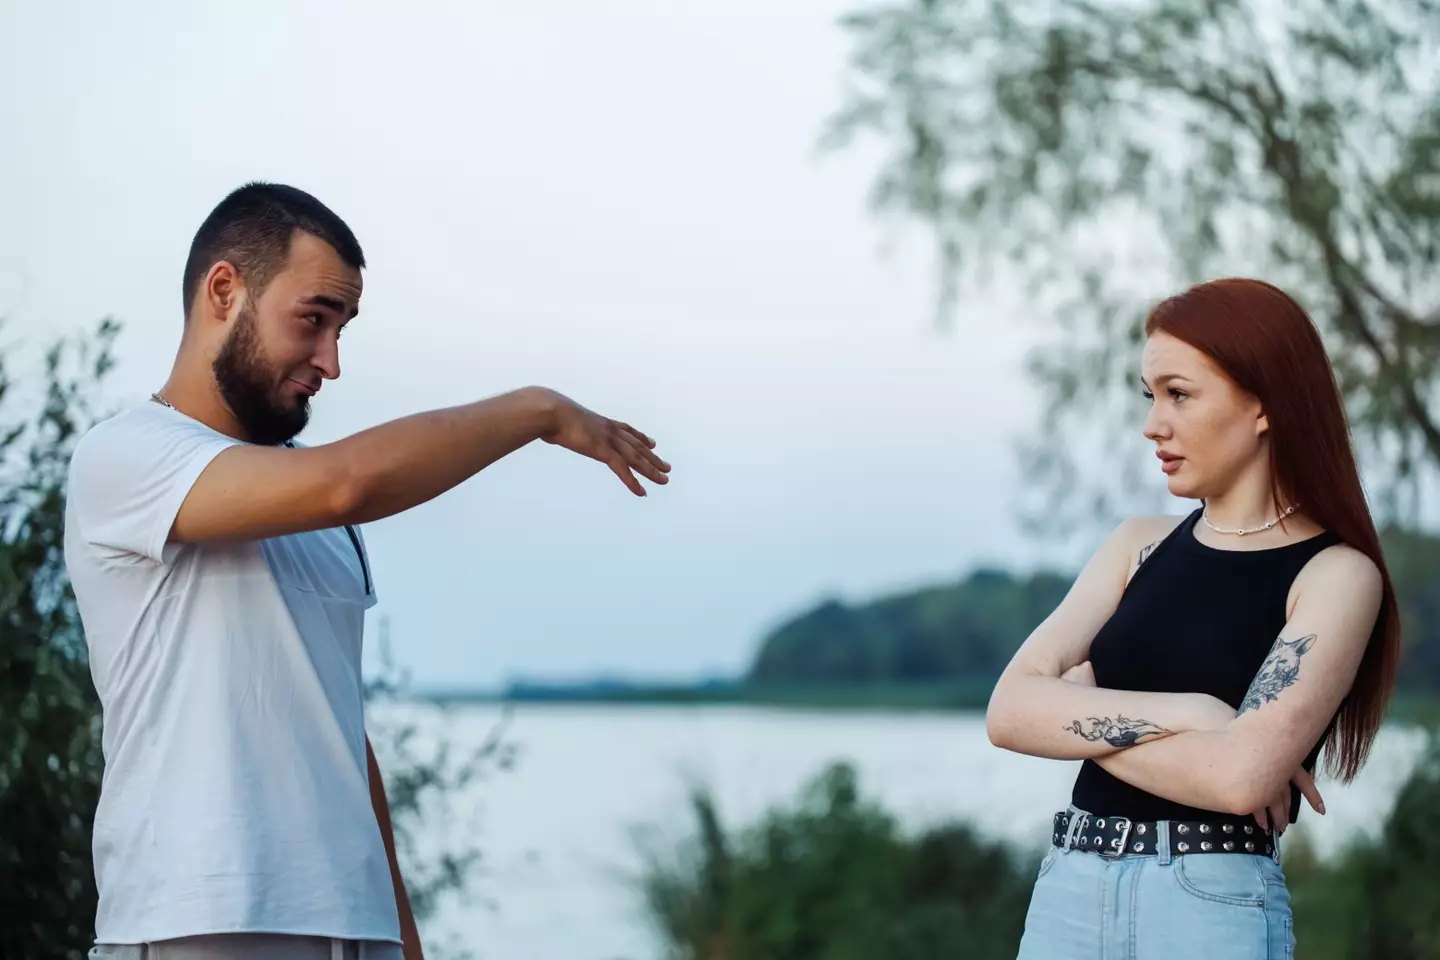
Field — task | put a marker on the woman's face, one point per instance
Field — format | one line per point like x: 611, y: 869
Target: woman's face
x: 1207, y: 431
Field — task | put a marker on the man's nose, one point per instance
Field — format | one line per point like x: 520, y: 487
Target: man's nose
x: 327, y: 358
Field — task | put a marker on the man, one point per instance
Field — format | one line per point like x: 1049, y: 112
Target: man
x: 222, y: 584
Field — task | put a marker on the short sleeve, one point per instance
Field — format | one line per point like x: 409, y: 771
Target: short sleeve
x: 130, y: 474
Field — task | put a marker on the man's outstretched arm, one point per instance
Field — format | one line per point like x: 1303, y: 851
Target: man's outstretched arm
x: 253, y: 492
x: 409, y: 933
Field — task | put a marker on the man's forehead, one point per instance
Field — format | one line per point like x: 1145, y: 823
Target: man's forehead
x: 320, y: 275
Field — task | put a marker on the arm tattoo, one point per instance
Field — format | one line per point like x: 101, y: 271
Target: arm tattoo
x: 1280, y: 669
x: 1119, y: 732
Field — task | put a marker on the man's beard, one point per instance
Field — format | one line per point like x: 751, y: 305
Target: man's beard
x: 249, y: 386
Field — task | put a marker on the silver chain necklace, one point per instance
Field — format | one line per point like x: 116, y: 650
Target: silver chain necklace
x: 162, y: 401
x: 1242, y: 531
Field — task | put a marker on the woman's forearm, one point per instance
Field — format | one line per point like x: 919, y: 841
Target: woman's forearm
x: 1196, y: 768
x: 1054, y: 718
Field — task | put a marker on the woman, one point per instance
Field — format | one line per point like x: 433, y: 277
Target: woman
x: 1198, y: 665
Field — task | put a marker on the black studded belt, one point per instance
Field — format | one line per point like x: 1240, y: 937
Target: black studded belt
x: 1117, y: 836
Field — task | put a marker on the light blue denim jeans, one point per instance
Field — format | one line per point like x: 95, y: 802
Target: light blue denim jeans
x: 1200, y: 906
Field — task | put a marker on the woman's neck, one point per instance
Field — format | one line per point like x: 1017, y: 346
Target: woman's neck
x: 1245, y: 509
x: 1249, y: 507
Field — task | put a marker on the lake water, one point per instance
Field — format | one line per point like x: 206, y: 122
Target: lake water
x: 557, y: 828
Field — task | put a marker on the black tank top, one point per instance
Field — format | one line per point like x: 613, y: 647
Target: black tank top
x: 1193, y: 619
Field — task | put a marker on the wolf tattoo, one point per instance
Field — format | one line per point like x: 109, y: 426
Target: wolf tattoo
x: 1280, y: 670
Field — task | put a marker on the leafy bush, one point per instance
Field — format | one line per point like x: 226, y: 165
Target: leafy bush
x: 834, y: 879
x: 1379, y: 899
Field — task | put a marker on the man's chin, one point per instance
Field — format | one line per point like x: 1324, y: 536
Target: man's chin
x: 281, y: 425
x: 295, y: 427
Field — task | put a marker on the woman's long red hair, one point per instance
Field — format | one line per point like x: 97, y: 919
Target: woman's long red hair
x: 1270, y: 347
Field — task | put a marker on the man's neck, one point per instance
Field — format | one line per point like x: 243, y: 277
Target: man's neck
x: 199, y: 399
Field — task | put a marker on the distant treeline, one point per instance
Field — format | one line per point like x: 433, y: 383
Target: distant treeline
x: 965, y: 634
x: 945, y: 646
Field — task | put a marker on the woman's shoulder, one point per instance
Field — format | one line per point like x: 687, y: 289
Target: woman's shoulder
x: 1341, y: 565
x: 1143, y: 534
x: 1137, y: 537
x: 1338, y: 574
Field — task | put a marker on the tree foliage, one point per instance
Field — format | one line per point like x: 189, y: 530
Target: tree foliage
x: 1108, y: 153
x: 968, y: 631
x: 50, y: 757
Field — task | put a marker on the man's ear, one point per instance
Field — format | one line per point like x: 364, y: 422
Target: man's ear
x: 224, y: 292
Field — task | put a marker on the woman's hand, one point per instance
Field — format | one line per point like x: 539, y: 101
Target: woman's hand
x: 1275, y: 815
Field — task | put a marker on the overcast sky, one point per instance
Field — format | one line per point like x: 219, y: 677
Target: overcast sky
x: 620, y: 200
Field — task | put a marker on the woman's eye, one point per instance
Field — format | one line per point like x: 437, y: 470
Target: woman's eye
x: 1148, y: 395
x: 1178, y: 395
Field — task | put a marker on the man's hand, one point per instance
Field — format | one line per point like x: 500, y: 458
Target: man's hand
x: 618, y: 445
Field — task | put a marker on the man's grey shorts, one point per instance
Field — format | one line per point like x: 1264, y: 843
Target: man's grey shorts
x: 250, y: 946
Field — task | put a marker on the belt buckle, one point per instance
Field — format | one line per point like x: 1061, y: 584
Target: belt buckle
x: 1118, y: 847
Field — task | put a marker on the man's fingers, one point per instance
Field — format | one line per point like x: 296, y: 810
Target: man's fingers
x: 644, y: 467
x: 629, y: 443
x: 622, y: 470
x: 1306, y: 783
x: 624, y: 450
x: 644, y: 440
x: 650, y: 466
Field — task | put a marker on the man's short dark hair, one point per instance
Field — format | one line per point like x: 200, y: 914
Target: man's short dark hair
x: 252, y: 229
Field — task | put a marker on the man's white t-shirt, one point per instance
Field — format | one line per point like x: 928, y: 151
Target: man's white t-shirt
x: 235, y: 795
